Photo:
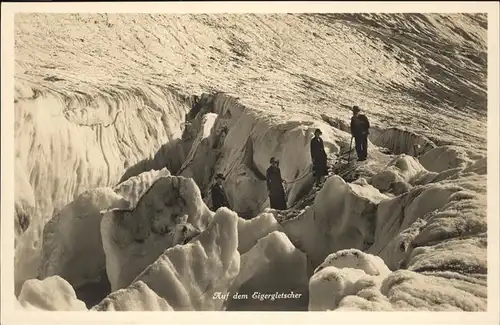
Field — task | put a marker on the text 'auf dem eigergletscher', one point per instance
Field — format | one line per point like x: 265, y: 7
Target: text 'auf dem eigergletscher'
x: 257, y: 296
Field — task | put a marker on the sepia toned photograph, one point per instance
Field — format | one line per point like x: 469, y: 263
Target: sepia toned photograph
x: 246, y: 161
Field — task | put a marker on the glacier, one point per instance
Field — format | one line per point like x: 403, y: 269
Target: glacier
x: 123, y: 120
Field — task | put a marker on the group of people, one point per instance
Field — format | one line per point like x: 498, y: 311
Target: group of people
x: 275, y: 189
x: 359, y: 130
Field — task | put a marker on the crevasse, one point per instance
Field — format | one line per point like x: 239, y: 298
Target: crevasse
x: 222, y: 135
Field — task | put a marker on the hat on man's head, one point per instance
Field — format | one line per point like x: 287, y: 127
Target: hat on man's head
x: 220, y: 176
x: 318, y: 131
x: 356, y: 108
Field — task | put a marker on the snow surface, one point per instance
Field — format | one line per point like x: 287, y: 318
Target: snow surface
x: 343, y: 215
x: 136, y: 297
x: 117, y: 147
x: 133, y: 188
x: 188, y: 276
x: 251, y: 231
x: 273, y: 265
x: 53, y: 293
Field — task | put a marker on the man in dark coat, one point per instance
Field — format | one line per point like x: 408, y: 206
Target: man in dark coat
x: 275, y: 186
x: 318, y: 157
x: 359, y: 130
x: 219, y: 197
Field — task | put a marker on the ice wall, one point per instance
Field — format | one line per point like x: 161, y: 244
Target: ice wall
x: 70, y: 142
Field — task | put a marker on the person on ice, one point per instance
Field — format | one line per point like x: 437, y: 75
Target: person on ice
x: 359, y: 130
x: 318, y: 157
x: 275, y: 186
x: 219, y: 197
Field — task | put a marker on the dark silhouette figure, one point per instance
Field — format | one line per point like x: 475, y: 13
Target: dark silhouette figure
x: 219, y: 197
x: 275, y: 186
x: 318, y: 157
x: 360, y: 130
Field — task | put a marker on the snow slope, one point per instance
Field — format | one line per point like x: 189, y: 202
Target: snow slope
x: 113, y: 99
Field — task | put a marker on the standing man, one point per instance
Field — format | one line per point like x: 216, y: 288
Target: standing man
x: 318, y: 157
x: 359, y: 130
x: 219, y: 197
x: 275, y: 186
